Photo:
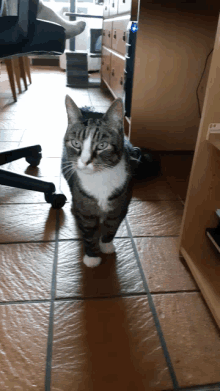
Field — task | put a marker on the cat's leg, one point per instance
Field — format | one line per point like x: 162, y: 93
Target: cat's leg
x: 89, y: 227
x: 109, y: 228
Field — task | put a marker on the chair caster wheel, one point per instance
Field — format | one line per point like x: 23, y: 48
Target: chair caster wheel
x: 56, y: 200
x: 34, y: 161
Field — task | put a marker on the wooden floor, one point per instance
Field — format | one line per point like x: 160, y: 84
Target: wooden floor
x: 138, y: 321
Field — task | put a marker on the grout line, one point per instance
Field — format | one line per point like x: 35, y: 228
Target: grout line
x: 206, y: 387
x: 175, y: 292
x: 85, y: 298
x: 31, y: 242
x: 80, y: 298
x: 79, y: 239
x: 51, y: 316
x: 154, y: 313
x: 34, y: 301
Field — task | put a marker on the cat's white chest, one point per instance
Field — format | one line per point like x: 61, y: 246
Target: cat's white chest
x: 102, y: 184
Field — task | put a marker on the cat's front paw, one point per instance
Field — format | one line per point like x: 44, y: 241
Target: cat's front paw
x: 91, y: 261
x: 107, y: 248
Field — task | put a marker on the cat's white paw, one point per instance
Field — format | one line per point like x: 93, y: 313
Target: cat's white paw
x: 107, y: 248
x: 91, y: 261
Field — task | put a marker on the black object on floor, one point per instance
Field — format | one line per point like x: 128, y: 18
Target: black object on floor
x: 27, y: 182
x: 214, y: 235
x: 149, y: 165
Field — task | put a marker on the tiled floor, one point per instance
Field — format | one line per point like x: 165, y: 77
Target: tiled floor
x: 138, y: 321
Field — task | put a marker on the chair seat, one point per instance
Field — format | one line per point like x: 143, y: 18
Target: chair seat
x: 48, y: 38
x: 9, y: 32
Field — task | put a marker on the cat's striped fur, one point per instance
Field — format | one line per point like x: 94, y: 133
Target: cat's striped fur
x: 96, y: 163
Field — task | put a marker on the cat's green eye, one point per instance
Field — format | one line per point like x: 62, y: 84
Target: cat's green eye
x: 76, y: 144
x: 101, y: 146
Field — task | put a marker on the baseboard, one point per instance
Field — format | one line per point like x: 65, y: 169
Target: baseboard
x: 45, y: 61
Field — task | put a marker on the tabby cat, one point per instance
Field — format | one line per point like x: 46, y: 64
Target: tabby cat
x: 97, y: 164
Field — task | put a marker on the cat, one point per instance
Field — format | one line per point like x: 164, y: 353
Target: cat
x: 98, y: 162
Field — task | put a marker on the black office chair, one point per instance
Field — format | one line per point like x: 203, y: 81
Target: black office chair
x: 19, y: 36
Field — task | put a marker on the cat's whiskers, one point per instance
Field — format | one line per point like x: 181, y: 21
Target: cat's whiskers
x: 134, y: 158
x: 68, y: 171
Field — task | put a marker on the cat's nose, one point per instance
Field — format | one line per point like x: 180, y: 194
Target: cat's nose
x: 86, y: 162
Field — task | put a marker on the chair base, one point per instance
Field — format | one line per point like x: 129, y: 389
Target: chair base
x: 27, y: 182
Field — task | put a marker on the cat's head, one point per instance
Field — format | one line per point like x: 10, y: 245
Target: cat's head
x: 97, y: 145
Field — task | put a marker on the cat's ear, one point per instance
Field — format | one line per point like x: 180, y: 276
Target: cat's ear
x: 115, y: 113
x: 73, y: 112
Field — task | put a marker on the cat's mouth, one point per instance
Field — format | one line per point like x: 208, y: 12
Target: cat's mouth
x: 86, y: 169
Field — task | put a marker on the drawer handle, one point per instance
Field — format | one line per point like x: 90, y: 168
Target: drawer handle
x: 121, y: 80
x: 109, y: 34
x: 103, y: 33
x: 114, y: 35
x: 113, y: 4
x: 113, y: 72
x: 107, y: 68
x: 103, y: 62
x: 124, y: 36
x: 106, y: 8
x: 123, y: 1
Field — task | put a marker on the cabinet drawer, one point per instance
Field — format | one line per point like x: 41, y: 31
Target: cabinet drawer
x: 119, y: 30
x: 117, y: 75
x: 107, y: 33
x: 113, y: 7
x: 106, y: 8
x: 124, y: 6
x: 106, y: 65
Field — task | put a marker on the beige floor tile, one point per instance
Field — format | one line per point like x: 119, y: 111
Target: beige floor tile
x: 48, y: 167
x: 156, y: 189
x: 8, y: 145
x: 23, y: 329
x: 13, y: 195
x: 155, y: 218
x: 9, y: 115
x: 105, y: 345
x: 51, y: 147
x: 11, y: 124
x: 176, y: 167
x: 25, y: 223
x: 118, y: 273
x: 163, y: 268
x: 11, y: 135
x: 101, y: 105
x: 180, y: 187
x: 26, y: 271
x: 101, y: 100
x: 192, y: 338
x: 82, y: 100
x: 68, y: 228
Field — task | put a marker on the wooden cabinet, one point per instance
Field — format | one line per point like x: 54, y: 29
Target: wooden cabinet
x: 106, y: 8
x: 117, y: 75
x: 171, y: 49
x: 169, y: 93
x: 203, y: 198
x: 119, y: 31
x: 113, y: 7
x: 106, y: 65
x: 117, y: 15
x: 107, y: 33
x: 124, y: 6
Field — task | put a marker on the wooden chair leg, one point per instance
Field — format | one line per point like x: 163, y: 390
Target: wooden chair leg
x: 22, y: 70
x: 28, y: 68
x: 17, y: 73
x: 9, y: 66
